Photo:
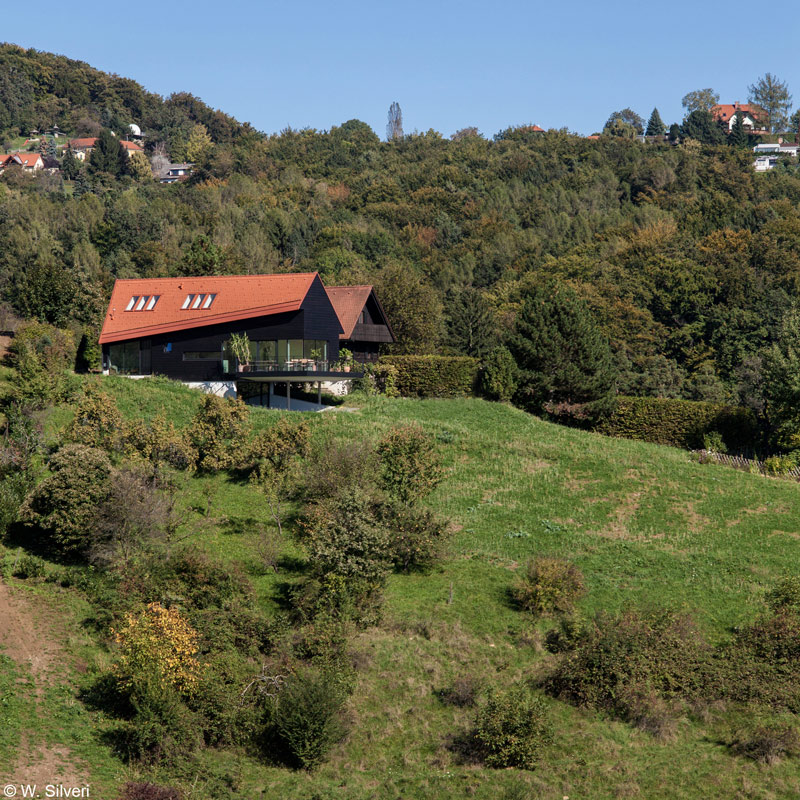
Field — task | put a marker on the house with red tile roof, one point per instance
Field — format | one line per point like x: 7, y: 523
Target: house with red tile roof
x: 183, y: 328
x: 28, y: 161
x: 752, y: 116
x: 84, y: 147
x: 365, y: 326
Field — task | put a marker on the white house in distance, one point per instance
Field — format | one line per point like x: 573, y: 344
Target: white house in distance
x: 174, y: 173
x: 30, y: 162
x: 768, y: 154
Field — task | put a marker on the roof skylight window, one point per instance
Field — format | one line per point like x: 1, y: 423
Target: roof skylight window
x: 197, y: 300
x: 187, y: 301
x: 152, y: 302
x: 142, y: 300
x: 209, y: 300
x: 132, y: 303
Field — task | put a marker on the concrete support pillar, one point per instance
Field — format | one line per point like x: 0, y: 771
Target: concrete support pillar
x: 319, y: 393
x: 288, y: 396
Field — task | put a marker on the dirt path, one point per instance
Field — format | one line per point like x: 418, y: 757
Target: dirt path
x: 28, y: 638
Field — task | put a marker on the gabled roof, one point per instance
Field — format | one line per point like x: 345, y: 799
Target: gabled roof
x: 348, y: 303
x: 237, y: 297
x: 725, y: 111
x: 24, y: 159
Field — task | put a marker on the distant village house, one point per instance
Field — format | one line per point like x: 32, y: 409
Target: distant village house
x: 29, y: 162
x: 751, y: 117
x: 83, y: 147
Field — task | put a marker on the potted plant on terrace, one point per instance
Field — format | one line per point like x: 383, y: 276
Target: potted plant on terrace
x: 316, y: 357
x: 239, y: 345
x: 345, y: 359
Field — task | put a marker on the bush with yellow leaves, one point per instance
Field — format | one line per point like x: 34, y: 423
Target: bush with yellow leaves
x: 157, y: 643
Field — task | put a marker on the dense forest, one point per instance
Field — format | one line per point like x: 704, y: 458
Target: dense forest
x: 686, y: 257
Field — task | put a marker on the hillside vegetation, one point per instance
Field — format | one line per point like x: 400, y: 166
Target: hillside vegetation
x: 687, y: 259
x: 648, y: 528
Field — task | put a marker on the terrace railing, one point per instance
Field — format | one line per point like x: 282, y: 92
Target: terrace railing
x: 300, y: 365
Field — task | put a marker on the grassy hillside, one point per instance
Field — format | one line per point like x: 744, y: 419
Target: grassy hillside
x: 646, y: 525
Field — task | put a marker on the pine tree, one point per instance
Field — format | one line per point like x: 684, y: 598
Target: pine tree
x: 70, y: 166
x: 108, y: 155
x: 82, y: 185
x: 655, y: 125
x: 738, y: 135
x: 561, y: 354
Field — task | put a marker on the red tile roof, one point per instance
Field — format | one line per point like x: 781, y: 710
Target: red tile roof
x: 77, y: 144
x: 726, y: 110
x: 348, y: 302
x: 237, y: 297
x: 27, y: 159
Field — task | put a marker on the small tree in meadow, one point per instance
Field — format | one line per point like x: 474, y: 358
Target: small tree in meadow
x: 410, y: 466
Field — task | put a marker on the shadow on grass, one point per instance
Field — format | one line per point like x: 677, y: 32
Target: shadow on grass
x: 466, y: 748
x: 239, y: 526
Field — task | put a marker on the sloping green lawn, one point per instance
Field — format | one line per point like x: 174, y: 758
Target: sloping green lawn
x: 647, y: 526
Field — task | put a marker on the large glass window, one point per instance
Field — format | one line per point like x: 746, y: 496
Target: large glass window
x: 316, y: 349
x: 123, y: 358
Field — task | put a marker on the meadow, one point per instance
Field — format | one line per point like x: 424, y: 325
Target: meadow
x: 648, y: 526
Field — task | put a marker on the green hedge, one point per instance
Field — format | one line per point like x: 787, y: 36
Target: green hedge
x: 434, y: 376
x: 680, y: 423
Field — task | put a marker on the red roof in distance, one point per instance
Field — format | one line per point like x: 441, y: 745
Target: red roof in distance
x: 237, y: 297
x: 725, y: 111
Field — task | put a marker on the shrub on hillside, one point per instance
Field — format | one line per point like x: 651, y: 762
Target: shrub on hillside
x: 512, y: 729
x: 134, y: 790
x: 352, y: 544
x: 617, y: 657
x: 148, y: 791
x: 417, y: 537
x: 65, y: 503
x: 349, y: 559
x: 499, y: 376
x: 157, y: 442
x: 680, y: 423
x: 767, y: 743
x: 159, y: 646
x: 409, y: 464
x: 218, y: 432
x: 335, y: 467
x: 433, y: 376
x: 307, y: 717
x: 161, y: 727
x: 42, y: 355
x: 785, y: 595
x: 149, y: 519
x: 548, y: 585
x: 277, y: 446
x: 97, y: 421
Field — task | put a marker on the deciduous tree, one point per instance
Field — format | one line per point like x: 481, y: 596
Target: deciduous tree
x: 773, y: 96
x: 700, y: 100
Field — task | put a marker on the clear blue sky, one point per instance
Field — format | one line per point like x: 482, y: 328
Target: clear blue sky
x: 449, y: 64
